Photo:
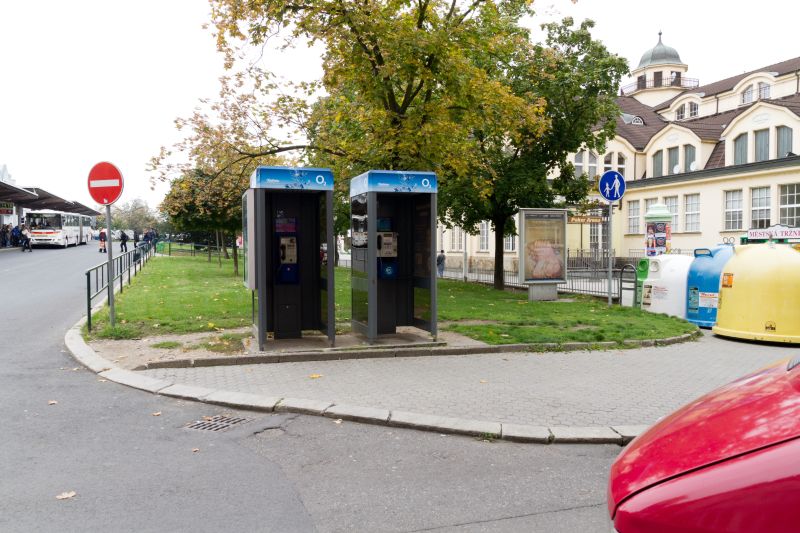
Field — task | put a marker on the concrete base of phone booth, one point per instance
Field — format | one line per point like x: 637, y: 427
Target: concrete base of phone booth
x: 542, y: 292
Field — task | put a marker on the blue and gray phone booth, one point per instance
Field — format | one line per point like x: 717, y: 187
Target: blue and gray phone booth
x: 290, y: 251
x: 393, y: 228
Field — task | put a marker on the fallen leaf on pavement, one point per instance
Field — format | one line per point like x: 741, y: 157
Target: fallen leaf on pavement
x: 195, y: 450
x: 157, y: 413
x: 101, y: 380
x: 315, y: 376
x: 66, y: 495
x: 52, y: 402
x: 337, y: 421
x: 484, y: 381
x: 208, y: 418
x: 76, y: 369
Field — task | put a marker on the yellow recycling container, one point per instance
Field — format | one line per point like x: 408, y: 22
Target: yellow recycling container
x: 759, y: 294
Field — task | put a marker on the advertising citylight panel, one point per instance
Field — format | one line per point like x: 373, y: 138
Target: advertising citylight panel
x: 543, y: 254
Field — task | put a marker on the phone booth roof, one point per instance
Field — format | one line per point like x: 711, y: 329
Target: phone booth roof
x: 292, y: 178
x: 411, y: 181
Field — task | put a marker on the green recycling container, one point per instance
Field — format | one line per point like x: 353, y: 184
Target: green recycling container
x: 642, y: 269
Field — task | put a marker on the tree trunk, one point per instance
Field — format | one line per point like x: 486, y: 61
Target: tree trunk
x: 499, y: 224
x: 235, y: 252
x: 224, y: 248
x: 219, y: 255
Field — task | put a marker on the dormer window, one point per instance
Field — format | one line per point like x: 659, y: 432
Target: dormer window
x: 680, y: 114
x: 637, y: 121
x: 694, y: 109
x: 747, y: 95
x: 763, y: 90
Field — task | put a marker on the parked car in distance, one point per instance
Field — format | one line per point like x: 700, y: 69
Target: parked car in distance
x: 726, y: 462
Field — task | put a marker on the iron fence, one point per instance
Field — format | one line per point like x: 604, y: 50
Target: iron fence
x: 97, y: 277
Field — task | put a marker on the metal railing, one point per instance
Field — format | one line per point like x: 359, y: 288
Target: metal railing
x: 652, y: 83
x: 130, y: 262
x: 190, y: 249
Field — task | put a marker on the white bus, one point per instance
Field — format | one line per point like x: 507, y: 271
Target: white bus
x: 57, y: 228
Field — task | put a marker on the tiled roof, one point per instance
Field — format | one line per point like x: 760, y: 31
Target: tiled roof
x: 784, y: 67
x: 638, y: 136
x: 710, y: 128
x: 717, y: 157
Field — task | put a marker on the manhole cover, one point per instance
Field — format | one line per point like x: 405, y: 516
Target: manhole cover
x: 216, y: 423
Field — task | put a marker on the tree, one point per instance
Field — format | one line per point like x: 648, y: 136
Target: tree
x: 134, y: 215
x: 577, y: 78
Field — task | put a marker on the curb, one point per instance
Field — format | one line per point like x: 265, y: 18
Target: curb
x: 333, y: 354
x: 487, y: 430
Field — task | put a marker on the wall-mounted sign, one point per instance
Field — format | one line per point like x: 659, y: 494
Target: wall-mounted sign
x: 6, y: 208
x: 774, y: 232
x: 584, y: 219
x: 543, y: 254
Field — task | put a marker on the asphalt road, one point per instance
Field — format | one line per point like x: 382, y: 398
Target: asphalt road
x: 132, y: 471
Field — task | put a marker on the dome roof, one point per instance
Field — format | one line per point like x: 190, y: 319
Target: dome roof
x: 660, y: 54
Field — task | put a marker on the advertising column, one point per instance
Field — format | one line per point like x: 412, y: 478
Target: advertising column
x: 658, y: 230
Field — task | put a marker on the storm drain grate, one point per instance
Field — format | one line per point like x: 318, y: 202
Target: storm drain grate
x: 216, y: 423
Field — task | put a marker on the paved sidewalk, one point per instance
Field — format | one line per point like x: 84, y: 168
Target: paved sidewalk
x: 574, y: 389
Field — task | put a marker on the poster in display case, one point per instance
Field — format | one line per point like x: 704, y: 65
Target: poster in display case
x: 543, y: 254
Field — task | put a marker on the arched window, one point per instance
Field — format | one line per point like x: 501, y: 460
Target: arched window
x: 747, y: 95
x: 680, y: 113
x: 592, y: 170
x: 637, y: 121
x: 579, y: 163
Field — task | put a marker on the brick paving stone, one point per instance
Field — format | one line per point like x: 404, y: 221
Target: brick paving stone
x: 586, y: 389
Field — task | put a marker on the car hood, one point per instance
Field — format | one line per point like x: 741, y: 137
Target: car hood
x: 752, y: 412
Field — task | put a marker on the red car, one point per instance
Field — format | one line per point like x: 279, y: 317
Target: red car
x: 727, y: 462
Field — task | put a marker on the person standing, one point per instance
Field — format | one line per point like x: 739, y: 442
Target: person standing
x: 102, y: 238
x: 440, y: 263
x: 26, y: 239
x: 123, y: 242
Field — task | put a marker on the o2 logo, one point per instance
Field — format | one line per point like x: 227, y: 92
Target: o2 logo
x: 426, y: 183
x: 320, y: 180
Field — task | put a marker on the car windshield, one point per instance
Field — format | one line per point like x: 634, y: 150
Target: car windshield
x: 44, y: 221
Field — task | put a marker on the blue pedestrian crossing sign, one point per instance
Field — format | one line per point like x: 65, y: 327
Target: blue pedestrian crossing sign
x: 611, y: 185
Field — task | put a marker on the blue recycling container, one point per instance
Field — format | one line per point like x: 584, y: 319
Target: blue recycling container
x: 702, y: 298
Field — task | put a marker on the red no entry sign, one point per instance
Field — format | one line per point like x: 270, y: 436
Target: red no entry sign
x: 105, y: 183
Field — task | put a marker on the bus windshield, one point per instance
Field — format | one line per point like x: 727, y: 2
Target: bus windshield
x: 43, y: 221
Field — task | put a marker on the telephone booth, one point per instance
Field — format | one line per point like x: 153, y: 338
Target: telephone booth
x: 289, y: 251
x: 393, y: 227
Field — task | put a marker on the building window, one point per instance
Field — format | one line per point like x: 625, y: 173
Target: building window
x: 694, y: 109
x: 648, y: 203
x: 784, y: 141
x: 747, y: 95
x: 790, y: 205
x: 456, y: 239
x: 763, y: 90
x: 691, y: 211
x: 688, y: 158
x: 641, y: 82
x: 637, y: 121
x: 658, y: 164
x: 657, y: 78
x: 484, y: 241
x: 592, y: 165
x: 633, y: 216
x: 680, y: 114
x: 675, y: 78
x: 510, y: 243
x: 762, y: 145
x: 672, y: 157
x: 608, y: 162
x: 760, y: 208
x: 672, y: 204
x: 733, y: 210
x: 621, y: 164
x: 740, y: 149
x: 579, y: 163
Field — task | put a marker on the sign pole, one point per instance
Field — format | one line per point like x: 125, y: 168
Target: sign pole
x: 110, y: 252
x: 610, y: 247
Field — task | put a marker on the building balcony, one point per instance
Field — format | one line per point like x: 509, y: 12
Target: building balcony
x: 659, y: 83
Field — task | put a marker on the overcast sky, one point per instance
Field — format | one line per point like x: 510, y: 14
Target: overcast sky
x: 102, y: 80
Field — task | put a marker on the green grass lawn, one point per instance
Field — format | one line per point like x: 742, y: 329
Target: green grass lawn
x: 189, y: 294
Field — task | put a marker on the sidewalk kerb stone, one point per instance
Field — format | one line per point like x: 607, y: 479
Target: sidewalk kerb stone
x: 135, y: 380
x: 187, y: 392
x: 243, y: 400
x: 523, y: 433
x: 83, y: 353
x: 444, y: 424
x: 370, y: 415
x: 585, y: 435
x: 628, y: 433
x: 299, y: 405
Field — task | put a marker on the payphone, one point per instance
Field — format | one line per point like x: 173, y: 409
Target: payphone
x: 393, y: 221
x: 289, y: 221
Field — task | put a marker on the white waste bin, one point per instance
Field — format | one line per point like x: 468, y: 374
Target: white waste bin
x: 664, y: 290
